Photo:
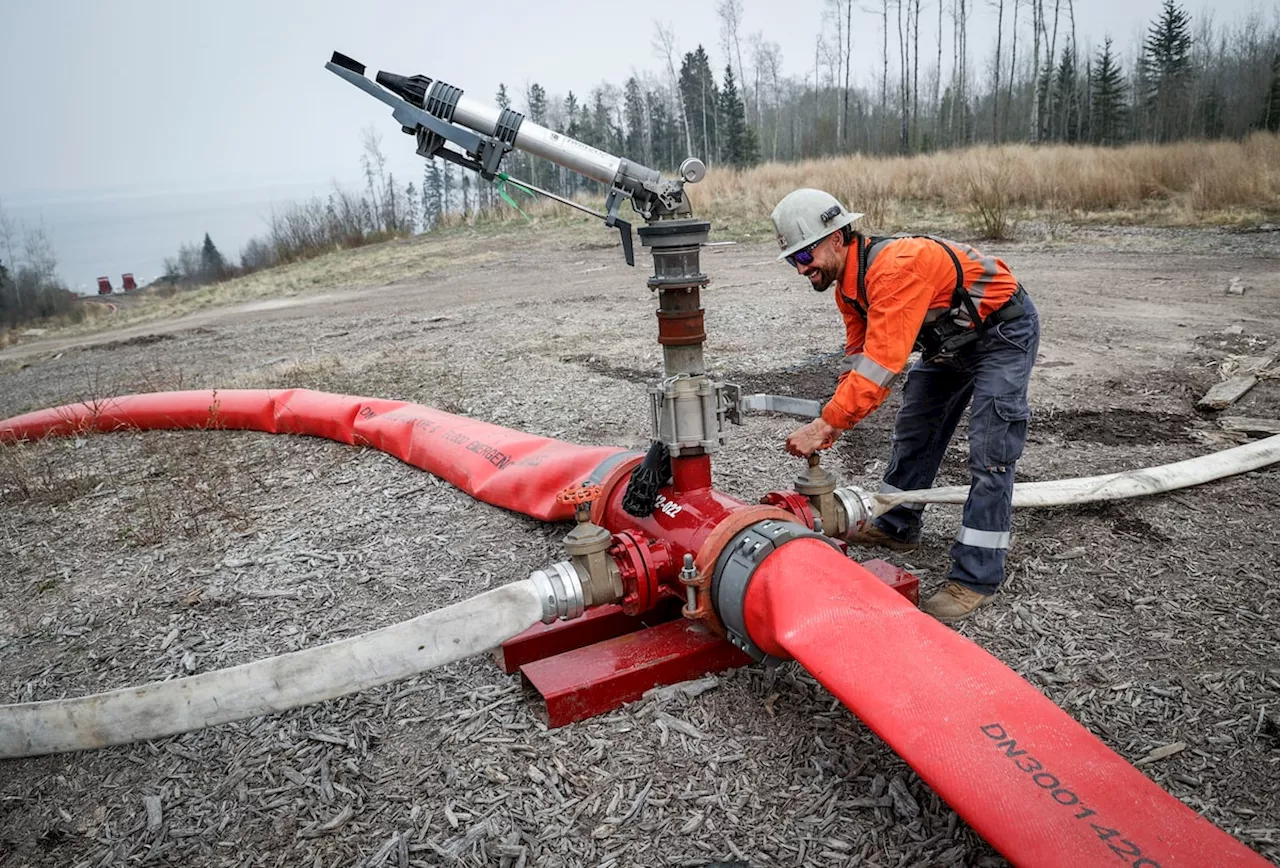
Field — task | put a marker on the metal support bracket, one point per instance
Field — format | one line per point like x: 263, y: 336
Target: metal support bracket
x: 611, y: 206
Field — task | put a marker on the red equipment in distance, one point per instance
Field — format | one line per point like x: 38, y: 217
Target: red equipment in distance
x: 104, y: 286
x: 127, y: 282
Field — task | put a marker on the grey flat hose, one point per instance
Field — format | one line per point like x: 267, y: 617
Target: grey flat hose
x: 1112, y: 486
x: 274, y: 684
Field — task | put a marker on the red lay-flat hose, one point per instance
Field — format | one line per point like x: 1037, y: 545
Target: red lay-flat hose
x: 510, y: 469
x: 1030, y: 780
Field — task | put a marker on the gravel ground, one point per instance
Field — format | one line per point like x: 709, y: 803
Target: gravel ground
x: 134, y: 557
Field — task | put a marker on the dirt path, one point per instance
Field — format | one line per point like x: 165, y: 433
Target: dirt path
x: 132, y: 557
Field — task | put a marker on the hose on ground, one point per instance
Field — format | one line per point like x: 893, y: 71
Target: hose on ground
x: 272, y: 685
x: 1111, y: 486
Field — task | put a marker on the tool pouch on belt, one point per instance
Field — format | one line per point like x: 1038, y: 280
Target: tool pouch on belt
x: 943, y: 340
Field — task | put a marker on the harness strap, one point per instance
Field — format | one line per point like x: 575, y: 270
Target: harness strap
x: 875, y: 244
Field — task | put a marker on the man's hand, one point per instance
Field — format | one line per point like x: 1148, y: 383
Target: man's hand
x: 812, y: 437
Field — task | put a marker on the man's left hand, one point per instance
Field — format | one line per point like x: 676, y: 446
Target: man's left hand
x: 818, y: 434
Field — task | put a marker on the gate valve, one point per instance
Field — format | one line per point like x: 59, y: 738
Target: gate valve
x: 587, y: 545
x: 819, y: 485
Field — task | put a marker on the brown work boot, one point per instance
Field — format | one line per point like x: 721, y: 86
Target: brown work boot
x: 874, y: 537
x: 954, y: 602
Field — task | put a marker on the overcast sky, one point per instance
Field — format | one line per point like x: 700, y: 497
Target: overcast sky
x: 133, y: 96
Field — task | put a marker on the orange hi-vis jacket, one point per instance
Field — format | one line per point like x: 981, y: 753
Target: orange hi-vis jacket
x: 908, y: 280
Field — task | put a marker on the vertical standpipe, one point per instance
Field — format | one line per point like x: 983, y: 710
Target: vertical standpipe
x: 687, y: 408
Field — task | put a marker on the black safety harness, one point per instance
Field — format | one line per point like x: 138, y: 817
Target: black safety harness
x: 942, y: 338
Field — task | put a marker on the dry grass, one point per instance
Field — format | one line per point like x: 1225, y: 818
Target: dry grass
x: 1182, y: 184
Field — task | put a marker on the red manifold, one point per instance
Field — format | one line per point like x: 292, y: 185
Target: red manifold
x: 613, y: 654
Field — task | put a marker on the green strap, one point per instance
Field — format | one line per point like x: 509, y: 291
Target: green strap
x: 501, y: 183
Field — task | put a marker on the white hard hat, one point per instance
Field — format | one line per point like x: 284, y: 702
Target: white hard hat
x: 805, y: 216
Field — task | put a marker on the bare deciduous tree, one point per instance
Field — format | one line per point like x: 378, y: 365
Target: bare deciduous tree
x: 730, y: 13
x: 664, y: 43
x: 995, y: 92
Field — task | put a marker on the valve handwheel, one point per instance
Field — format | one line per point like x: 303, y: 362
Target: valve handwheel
x: 578, y: 494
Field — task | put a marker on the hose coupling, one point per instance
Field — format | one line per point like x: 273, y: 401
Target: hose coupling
x: 855, y: 508
x: 561, y: 591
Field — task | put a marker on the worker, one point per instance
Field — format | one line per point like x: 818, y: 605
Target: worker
x: 977, y: 331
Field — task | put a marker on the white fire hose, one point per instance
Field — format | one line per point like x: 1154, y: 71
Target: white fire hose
x: 274, y: 684
x: 1112, y: 486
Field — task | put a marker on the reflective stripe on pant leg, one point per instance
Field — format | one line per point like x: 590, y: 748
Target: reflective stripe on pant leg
x: 983, y: 539
x: 978, y: 555
x: 997, y: 432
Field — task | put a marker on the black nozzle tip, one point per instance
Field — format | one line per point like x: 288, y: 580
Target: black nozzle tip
x: 412, y: 88
x: 347, y: 63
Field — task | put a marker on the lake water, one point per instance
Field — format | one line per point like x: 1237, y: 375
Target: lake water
x: 112, y: 233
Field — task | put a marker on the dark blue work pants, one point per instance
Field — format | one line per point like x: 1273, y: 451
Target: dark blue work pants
x: 993, y: 373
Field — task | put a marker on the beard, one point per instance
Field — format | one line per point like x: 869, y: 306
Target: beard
x: 823, y: 281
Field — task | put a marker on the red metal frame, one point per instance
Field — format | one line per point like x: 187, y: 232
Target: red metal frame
x: 597, y: 624
x: 588, y: 681
x: 905, y: 583
x: 591, y: 665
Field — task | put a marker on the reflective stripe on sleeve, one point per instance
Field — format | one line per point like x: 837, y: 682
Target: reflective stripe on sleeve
x: 983, y: 539
x: 872, y: 370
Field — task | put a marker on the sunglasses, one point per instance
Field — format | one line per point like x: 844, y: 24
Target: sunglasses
x: 804, y: 256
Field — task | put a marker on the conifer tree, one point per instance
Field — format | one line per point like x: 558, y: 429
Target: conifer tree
x: 212, y: 265
x: 738, y: 138
x: 432, y: 194
x: 1166, y: 71
x: 698, y: 89
x: 1270, y: 118
x: 1107, y: 99
x: 1065, y: 116
x: 634, y: 109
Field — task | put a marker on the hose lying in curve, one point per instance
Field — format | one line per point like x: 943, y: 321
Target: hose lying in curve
x: 1111, y: 486
x: 272, y: 685
x: 510, y: 469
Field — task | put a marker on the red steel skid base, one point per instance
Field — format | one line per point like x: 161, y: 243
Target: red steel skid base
x: 605, y: 659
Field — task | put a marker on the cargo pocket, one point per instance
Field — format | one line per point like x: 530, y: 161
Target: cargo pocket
x: 1007, y: 433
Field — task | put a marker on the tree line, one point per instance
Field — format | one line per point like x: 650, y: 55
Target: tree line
x: 1185, y: 79
x: 30, y: 289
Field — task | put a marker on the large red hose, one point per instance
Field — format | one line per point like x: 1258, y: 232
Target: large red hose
x: 1030, y: 780
x: 516, y: 471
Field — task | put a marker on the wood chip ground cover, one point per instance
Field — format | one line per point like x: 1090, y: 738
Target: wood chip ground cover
x: 133, y: 557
